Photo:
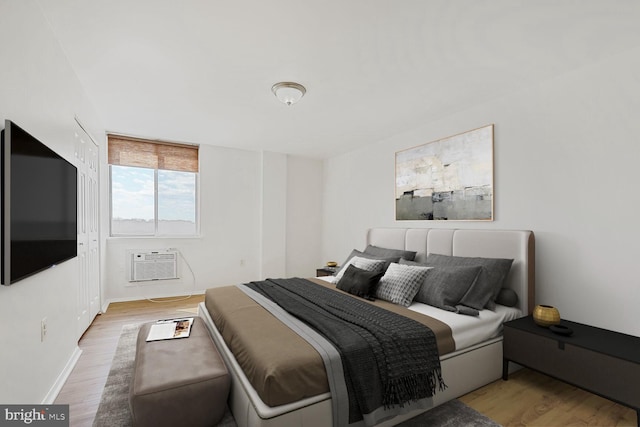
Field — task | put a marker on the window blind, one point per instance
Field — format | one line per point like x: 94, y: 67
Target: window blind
x: 127, y: 151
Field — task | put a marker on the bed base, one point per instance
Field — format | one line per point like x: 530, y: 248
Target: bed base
x: 459, y: 369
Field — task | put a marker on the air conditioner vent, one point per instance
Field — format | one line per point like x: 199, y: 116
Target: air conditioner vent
x: 154, y: 266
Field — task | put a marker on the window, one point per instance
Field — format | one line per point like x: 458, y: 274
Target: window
x: 153, y: 187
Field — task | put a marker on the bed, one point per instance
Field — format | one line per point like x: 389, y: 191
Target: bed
x: 476, y: 359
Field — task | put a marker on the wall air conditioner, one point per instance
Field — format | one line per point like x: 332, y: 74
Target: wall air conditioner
x: 160, y: 265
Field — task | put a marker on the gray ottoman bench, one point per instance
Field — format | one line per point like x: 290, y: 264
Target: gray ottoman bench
x: 178, y: 382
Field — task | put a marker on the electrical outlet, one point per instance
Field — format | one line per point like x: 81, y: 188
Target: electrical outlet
x: 43, y: 329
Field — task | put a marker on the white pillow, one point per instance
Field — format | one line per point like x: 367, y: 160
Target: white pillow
x: 362, y: 263
x: 401, y: 283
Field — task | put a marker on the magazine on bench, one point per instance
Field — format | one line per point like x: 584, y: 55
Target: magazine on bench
x: 169, y: 329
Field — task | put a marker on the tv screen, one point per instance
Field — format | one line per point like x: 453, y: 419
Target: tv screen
x: 39, y: 206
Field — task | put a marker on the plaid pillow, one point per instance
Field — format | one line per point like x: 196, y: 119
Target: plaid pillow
x: 363, y: 264
x: 401, y: 283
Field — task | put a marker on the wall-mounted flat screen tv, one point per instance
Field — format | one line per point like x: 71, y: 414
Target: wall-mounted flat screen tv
x: 39, y: 206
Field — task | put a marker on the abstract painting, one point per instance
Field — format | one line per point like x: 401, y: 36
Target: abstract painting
x: 448, y: 179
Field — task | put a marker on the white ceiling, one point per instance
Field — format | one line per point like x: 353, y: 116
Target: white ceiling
x: 201, y: 71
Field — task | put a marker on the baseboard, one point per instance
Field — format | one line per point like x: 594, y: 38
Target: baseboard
x: 62, y: 378
x: 105, y: 306
x: 140, y: 298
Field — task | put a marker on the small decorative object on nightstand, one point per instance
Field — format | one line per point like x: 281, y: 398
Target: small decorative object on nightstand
x: 561, y: 330
x: 546, y: 315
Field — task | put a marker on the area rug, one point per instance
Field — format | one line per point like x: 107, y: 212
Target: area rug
x: 450, y: 414
x: 114, y: 404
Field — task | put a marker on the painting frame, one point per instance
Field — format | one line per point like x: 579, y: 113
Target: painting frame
x: 449, y: 179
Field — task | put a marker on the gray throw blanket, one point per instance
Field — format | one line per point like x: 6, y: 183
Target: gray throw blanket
x: 387, y: 359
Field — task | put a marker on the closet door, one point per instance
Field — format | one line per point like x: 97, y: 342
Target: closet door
x: 88, y: 304
x: 92, y: 229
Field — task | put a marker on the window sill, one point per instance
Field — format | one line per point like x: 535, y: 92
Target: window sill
x: 172, y: 237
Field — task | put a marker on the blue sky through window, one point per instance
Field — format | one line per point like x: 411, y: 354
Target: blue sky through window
x: 132, y: 194
x: 176, y: 196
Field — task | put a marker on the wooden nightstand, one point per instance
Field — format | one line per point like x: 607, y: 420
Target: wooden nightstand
x: 603, y: 362
x: 326, y: 271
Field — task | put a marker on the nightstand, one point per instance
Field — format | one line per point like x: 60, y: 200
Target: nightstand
x: 603, y: 362
x: 326, y: 271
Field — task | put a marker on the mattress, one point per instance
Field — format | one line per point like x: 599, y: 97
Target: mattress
x: 468, y: 331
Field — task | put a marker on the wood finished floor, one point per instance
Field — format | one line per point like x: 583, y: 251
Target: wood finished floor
x: 527, y: 399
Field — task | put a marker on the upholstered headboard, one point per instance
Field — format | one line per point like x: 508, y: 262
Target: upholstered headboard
x: 516, y: 244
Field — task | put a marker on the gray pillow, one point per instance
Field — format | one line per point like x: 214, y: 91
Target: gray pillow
x: 488, y: 283
x: 390, y: 253
x: 359, y: 282
x: 507, y: 297
x: 444, y: 287
x: 458, y: 276
x: 400, y: 283
x: 357, y: 253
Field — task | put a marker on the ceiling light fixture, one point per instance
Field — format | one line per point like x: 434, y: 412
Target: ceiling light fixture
x: 288, y: 92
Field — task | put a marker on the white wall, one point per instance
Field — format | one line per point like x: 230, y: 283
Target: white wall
x: 256, y: 222
x: 566, y: 166
x: 40, y: 93
x: 304, y: 217
x: 228, y: 249
x: 273, y: 202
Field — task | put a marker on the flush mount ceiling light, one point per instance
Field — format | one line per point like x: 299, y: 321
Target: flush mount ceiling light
x: 288, y: 92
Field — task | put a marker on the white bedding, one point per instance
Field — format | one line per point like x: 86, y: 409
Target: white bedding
x: 471, y: 330
x: 466, y: 330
